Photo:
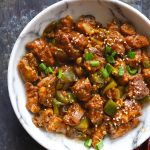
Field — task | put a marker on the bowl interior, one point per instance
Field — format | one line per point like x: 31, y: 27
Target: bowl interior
x: 104, y: 11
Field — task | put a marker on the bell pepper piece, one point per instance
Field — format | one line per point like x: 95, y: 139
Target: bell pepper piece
x: 112, y: 84
x: 110, y: 108
x: 83, y: 125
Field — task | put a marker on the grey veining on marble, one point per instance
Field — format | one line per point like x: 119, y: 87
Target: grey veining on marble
x: 14, y: 15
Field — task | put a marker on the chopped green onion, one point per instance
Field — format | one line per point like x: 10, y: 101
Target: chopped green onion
x: 88, y: 143
x: 132, y: 71
x: 105, y: 73
x: 42, y: 66
x: 49, y: 70
x: 99, y: 145
x: 88, y: 56
x: 110, y: 59
x: 94, y: 63
x: 59, y: 74
x: 110, y: 108
x: 108, y: 49
x: 114, y: 54
x: 131, y: 54
x: 109, y: 68
x: 121, y: 71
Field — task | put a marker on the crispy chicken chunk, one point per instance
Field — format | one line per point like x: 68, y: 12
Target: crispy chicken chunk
x: 74, y: 115
x: 77, y: 40
x: 137, y: 87
x: 96, y: 102
x: 58, y: 52
x: 125, y: 119
x: 28, y: 68
x: 43, y: 117
x: 127, y: 29
x: 47, y: 90
x: 82, y: 89
x: 113, y: 26
x: 65, y: 23
x: 137, y: 41
x: 116, y: 41
x: 146, y: 75
x: 86, y: 24
x: 130, y: 110
x: 56, y: 124
x: 134, y: 62
x: 98, y: 134
x: 95, y: 115
x: 123, y: 129
x: 74, y: 43
x: 95, y: 109
x: 32, y: 98
x: 47, y: 120
x: 42, y: 50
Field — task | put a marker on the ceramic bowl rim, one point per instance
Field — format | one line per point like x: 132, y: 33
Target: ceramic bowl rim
x: 35, y: 19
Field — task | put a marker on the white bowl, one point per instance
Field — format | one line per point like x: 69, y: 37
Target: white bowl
x: 104, y: 11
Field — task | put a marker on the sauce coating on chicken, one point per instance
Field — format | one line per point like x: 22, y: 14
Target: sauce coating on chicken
x: 85, y: 80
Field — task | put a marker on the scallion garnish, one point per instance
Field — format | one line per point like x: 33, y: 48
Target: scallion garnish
x: 108, y: 68
x: 108, y: 49
x: 94, y: 63
x: 59, y: 73
x: 42, y: 66
x: 88, y: 56
x: 88, y: 143
x: 114, y: 54
x: 131, y: 54
x: 132, y: 71
x: 110, y: 59
x: 99, y: 145
x: 105, y: 73
x: 109, y: 54
x: 49, y: 70
x: 121, y: 71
